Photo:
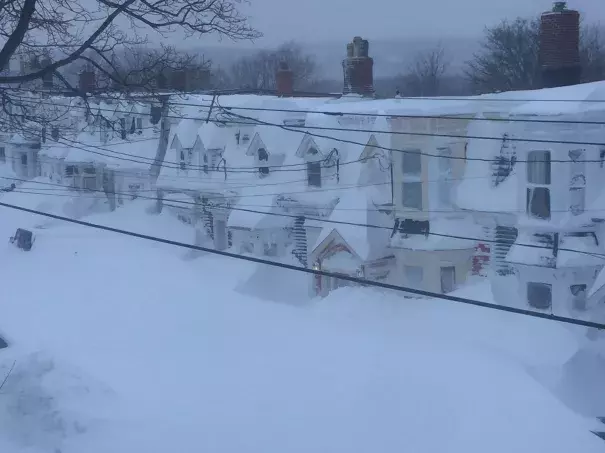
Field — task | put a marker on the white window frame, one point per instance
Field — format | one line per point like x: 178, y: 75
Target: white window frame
x: 539, y: 176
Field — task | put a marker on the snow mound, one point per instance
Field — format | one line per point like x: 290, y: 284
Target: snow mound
x: 43, y: 401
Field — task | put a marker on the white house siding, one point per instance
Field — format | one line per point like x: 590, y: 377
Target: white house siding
x: 437, y: 179
x: 422, y: 269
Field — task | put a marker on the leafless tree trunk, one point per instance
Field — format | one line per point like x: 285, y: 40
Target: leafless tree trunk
x: 425, y: 75
x: 258, y: 71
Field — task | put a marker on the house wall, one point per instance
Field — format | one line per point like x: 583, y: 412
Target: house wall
x: 258, y: 242
x: 560, y: 281
x: 431, y: 263
x: 430, y: 175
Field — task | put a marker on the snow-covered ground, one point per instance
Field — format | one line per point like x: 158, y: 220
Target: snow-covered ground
x: 124, y: 345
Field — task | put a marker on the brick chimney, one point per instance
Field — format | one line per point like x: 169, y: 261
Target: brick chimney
x: 560, y: 47
x: 284, y: 79
x: 87, y: 81
x: 358, y: 69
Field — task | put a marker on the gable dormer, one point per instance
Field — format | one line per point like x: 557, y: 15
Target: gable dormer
x: 260, y: 152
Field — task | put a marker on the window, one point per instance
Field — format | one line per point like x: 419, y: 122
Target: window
x: 539, y: 295
x: 448, y: 279
x: 263, y: 156
x: 578, y: 293
x: 245, y: 139
x: 314, y: 174
x: 54, y: 133
x: 538, y: 202
x: 140, y: 124
x: 412, y: 195
x: 123, y: 128
x: 413, y: 275
x: 538, y: 167
x: 270, y: 249
x: 183, y: 165
x: 2, y: 154
x: 132, y: 127
x: 411, y: 162
x: 205, y: 167
x: 23, y: 159
x: 576, y: 200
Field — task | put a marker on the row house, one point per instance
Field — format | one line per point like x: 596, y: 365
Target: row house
x: 433, y: 241
x: 540, y: 203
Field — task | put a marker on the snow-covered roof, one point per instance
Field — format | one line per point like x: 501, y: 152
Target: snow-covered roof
x: 562, y: 100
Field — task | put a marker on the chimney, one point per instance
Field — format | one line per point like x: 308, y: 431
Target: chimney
x: 284, y: 79
x: 87, y: 81
x: 358, y: 69
x: 560, y: 47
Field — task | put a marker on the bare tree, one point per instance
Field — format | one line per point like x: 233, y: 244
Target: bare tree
x: 592, y: 53
x: 92, y: 32
x: 425, y: 75
x: 508, y: 59
x: 258, y: 71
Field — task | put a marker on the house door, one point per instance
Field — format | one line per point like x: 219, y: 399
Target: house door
x: 448, y: 279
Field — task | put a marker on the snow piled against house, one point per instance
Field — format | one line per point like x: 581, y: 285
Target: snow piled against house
x: 140, y: 350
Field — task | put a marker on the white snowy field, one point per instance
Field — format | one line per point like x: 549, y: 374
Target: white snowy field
x: 124, y: 345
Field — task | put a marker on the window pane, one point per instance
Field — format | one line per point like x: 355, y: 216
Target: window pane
x: 538, y: 202
x: 445, y: 161
x: 413, y: 275
x: 538, y: 167
x: 314, y: 174
x: 411, y: 162
x: 412, y: 195
x: 539, y: 295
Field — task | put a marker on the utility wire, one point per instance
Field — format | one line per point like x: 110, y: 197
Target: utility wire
x: 250, y: 121
x: 322, y: 220
x: 463, y: 300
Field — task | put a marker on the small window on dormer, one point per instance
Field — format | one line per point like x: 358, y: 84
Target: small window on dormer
x: 263, y: 157
x: 183, y: 165
x: 140, y: 124
x: 205, y: 167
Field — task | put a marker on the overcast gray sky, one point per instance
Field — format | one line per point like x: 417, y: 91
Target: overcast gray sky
x: 340, y: 20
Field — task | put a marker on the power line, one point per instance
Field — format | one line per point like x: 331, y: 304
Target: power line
x: 304, y: 130
x: 326, y: 221
x: 463, y: 300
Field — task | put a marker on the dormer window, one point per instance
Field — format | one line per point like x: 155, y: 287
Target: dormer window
x: 132, y: 126
x: 263, y: 158
x: 140, y: 125
x: 183, y: 165
x: 205, y: 163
